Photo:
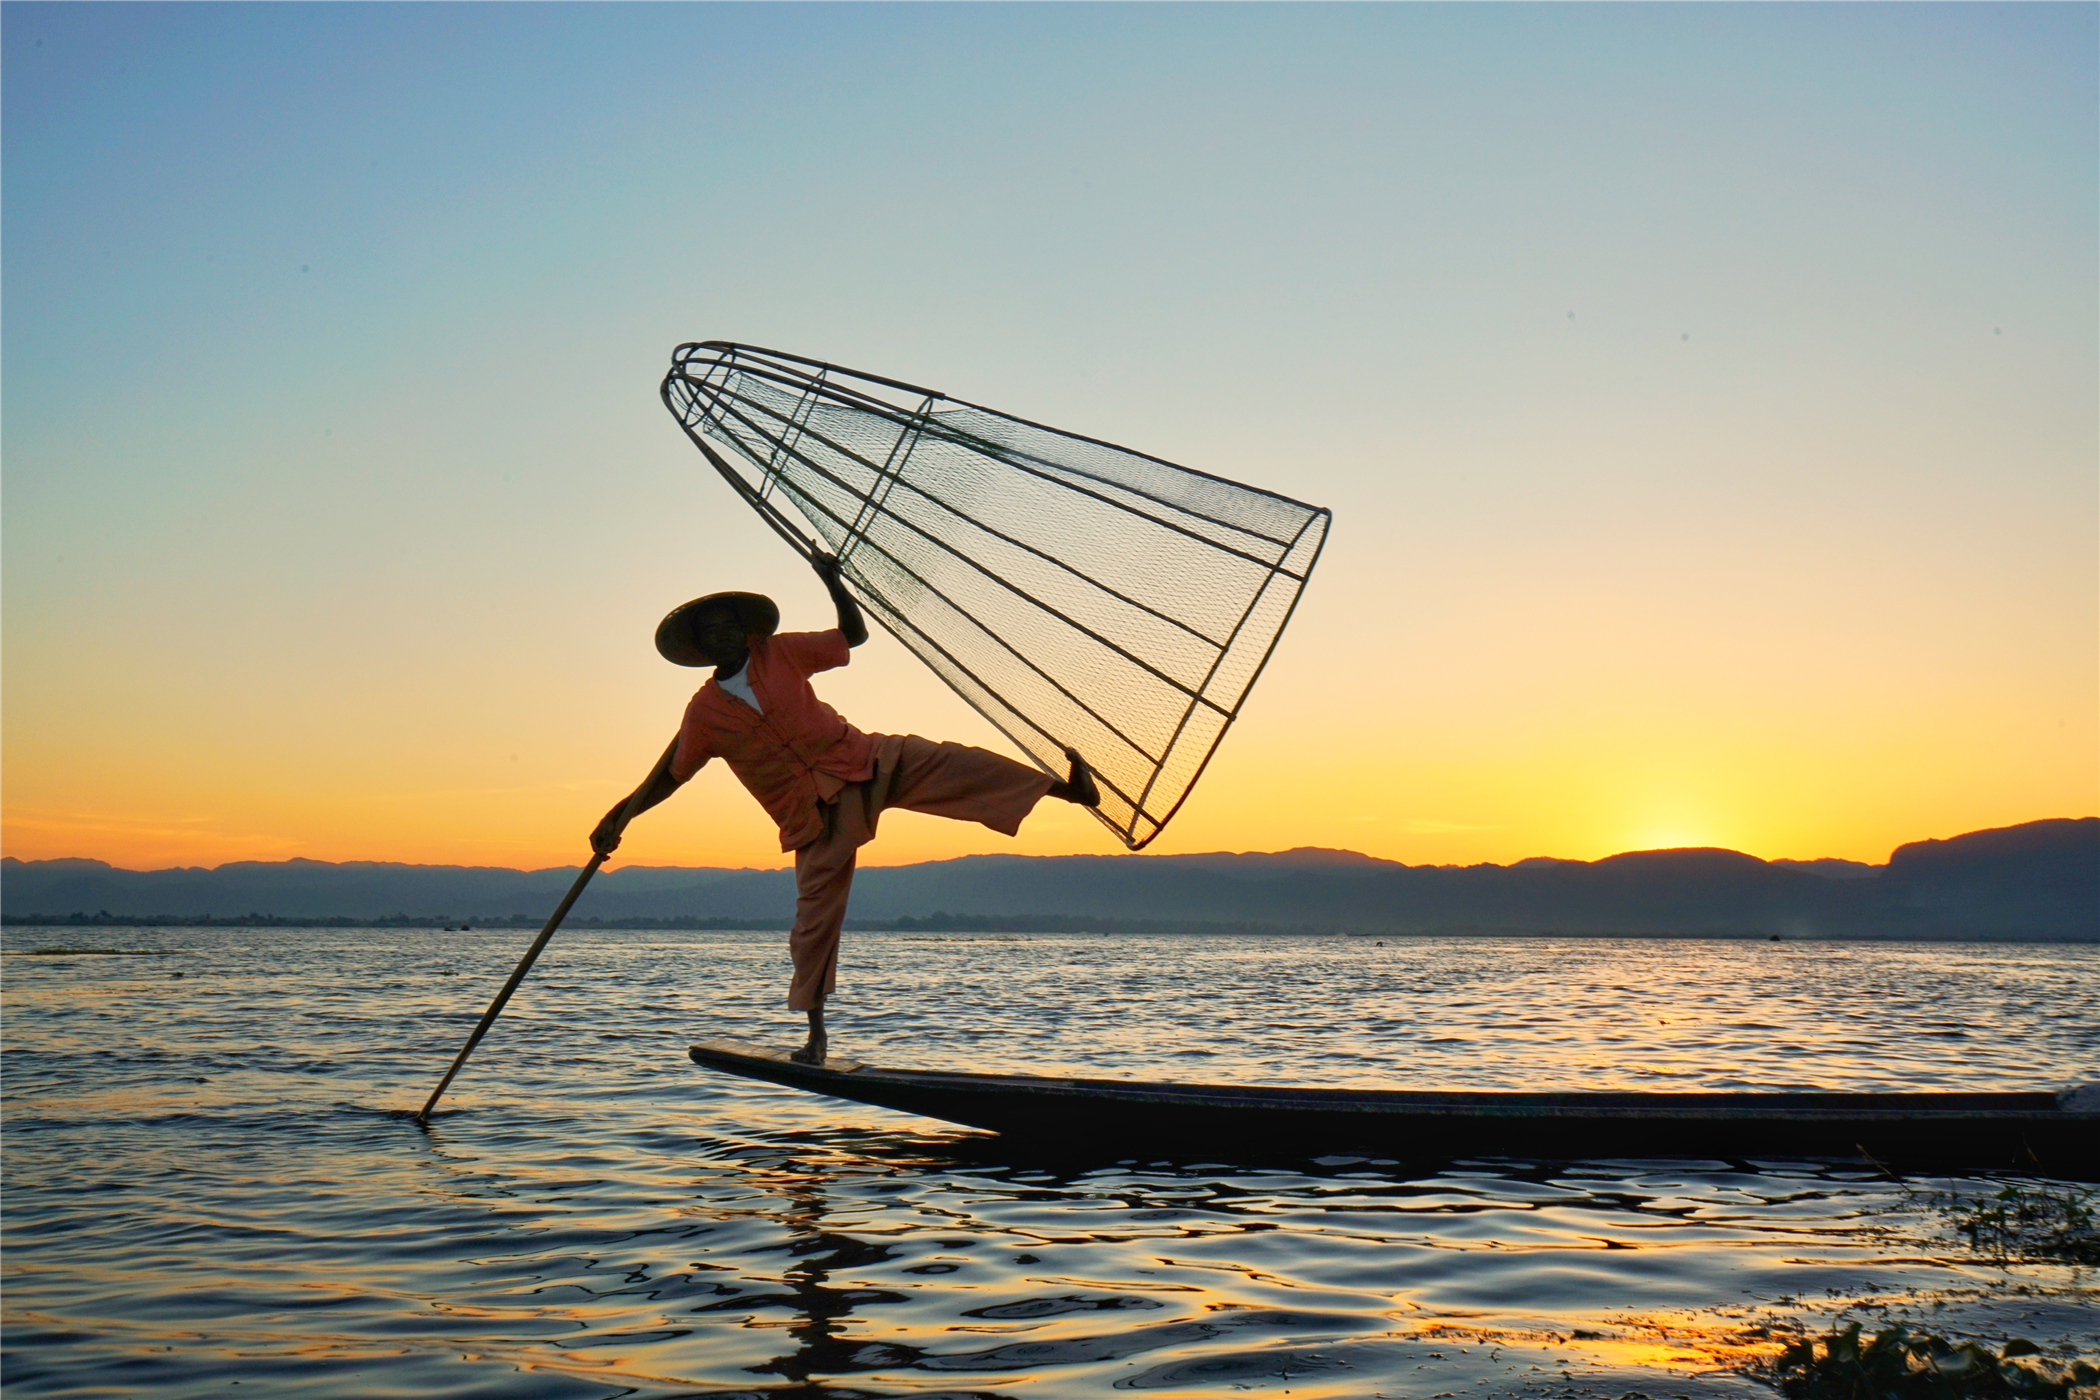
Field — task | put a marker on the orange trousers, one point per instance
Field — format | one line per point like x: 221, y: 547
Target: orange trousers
x: 919, y: 775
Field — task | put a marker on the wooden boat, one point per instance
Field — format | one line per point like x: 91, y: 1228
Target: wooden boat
x: 2041, y: 1132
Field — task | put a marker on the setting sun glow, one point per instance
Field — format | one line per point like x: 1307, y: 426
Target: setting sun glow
x: 1706, y: 403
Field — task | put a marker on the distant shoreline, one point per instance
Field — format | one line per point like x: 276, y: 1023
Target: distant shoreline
x: 933, y: 923
x: 2038, y: 881
x: 998, y: 924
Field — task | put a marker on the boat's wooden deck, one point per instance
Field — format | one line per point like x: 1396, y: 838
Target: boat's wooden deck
x: 2034, y: 1131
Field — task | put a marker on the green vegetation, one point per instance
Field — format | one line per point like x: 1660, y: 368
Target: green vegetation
x: 2033, y: 1222
x: 1900, y: 1365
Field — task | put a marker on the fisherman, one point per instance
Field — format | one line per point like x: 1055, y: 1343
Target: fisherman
x: 825, y: 782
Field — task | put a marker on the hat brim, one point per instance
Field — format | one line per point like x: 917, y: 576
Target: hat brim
x: 675, y: 639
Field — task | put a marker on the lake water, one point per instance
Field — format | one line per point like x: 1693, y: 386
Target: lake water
x: 212, y: 1186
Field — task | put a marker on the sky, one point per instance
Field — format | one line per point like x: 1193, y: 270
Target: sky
x: 1705, y: 395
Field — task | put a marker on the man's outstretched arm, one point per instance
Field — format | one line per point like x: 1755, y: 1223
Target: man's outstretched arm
x: 605, y: 838
x: 850, y: 621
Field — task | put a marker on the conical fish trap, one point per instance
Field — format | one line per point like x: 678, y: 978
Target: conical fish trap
x: 1073, y: 592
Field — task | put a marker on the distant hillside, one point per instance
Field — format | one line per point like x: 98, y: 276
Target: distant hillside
x: 2037, y: 880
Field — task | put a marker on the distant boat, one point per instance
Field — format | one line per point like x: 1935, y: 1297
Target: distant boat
x: 2047, y: 1133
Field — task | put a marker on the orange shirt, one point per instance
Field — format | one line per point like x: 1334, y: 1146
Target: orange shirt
x: 796, y: 754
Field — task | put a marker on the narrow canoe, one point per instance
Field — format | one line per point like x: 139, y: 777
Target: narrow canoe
x: 2055, y: 1134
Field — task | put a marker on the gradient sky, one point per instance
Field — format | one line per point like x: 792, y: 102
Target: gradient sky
x: 1706, y: 396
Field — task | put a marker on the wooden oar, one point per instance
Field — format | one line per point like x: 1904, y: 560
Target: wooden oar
x: 561, y: 911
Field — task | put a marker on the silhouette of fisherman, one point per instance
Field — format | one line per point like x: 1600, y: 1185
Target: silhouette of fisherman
x: 824, y: 782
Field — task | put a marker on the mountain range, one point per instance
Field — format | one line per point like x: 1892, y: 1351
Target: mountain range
x: 2038, y: 880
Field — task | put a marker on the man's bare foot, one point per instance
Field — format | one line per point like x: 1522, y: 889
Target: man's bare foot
x: 1079, y: 787
x: 814, y: 1049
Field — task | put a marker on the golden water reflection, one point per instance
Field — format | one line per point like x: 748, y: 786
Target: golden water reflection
x: 222, y: 1185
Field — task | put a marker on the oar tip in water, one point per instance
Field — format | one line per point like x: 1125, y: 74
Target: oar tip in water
x: 488, y: 1017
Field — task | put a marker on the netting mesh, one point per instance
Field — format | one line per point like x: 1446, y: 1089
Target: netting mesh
x: 1072, y: 591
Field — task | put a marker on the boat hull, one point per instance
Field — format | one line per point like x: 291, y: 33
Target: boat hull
x: 2030, y: 1132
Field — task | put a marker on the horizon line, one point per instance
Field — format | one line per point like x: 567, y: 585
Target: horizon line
x: 1076, y: 855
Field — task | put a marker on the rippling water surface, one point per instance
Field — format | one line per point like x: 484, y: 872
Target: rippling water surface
x: 212, y: 1186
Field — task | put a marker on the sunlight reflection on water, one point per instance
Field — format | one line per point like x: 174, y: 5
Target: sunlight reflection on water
x: 212, y: 1178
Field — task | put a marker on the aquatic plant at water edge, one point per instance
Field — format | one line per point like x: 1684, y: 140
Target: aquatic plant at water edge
x: 1897, y: 1364
x: 2033, y: 1221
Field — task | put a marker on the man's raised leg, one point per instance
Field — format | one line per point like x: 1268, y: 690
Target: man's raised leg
x: 967, y: 784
